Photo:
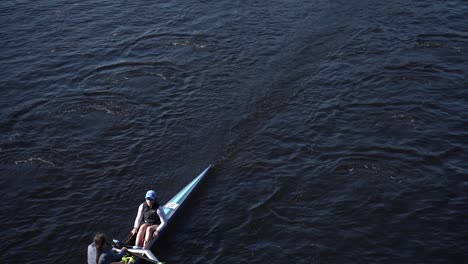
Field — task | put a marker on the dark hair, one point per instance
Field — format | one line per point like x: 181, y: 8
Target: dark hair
x: 99, y: 241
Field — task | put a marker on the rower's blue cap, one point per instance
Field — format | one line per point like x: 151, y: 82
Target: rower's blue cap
x: 150, y: 195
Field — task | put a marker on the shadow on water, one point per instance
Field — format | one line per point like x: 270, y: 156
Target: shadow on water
x: 301, y: 53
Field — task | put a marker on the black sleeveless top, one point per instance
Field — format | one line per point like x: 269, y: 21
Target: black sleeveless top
x: 150, y: 214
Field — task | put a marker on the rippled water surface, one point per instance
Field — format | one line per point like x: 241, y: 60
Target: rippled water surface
x: 338, y: 129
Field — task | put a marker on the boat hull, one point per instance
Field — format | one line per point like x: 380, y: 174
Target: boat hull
x: 171, y: 208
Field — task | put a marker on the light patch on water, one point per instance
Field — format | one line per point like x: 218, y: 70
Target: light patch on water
x: 31, y: 160
x: 188, y: 43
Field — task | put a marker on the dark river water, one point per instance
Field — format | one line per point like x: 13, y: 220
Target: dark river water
x: 338, y: 129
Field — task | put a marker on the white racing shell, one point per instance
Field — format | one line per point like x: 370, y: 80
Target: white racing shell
x: 170, y: 208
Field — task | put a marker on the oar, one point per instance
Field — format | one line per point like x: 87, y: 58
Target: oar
x: 117, y: 244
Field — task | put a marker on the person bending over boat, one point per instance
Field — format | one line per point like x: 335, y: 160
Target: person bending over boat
x: 99, y: 252
x: 150, y: 219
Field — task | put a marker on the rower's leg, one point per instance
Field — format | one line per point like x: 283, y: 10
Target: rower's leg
x: 141, y: 235
x: 149, y: 234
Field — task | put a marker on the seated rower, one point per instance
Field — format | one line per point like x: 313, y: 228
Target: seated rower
x: 150, y: 219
